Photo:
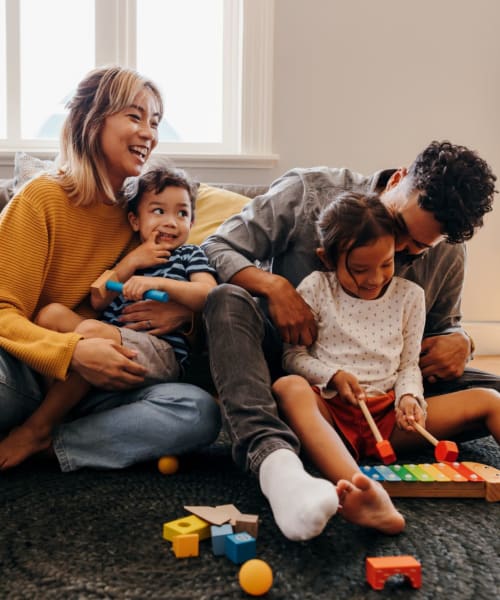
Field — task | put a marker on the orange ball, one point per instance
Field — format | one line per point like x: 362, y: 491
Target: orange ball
x: 168, y: 465
x: 255, y: 577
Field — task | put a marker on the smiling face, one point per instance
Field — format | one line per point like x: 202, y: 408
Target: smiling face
x: 129, y: 136
x: 365, y: 271
x: 418, y: 230
x: 167, y: 214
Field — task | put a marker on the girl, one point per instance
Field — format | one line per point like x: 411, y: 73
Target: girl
x: 370, y: 326
x: 59, y: 233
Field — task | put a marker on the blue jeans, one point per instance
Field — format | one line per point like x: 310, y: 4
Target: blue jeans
x: 239, y: 337
x: 244, y: 352
x: 111, y: 430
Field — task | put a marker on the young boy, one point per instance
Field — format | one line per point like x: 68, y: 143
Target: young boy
x: 161, y: 210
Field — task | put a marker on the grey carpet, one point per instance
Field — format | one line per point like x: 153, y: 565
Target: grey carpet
x: 91, y: 535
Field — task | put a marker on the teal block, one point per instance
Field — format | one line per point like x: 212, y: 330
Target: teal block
x: 240, y: 547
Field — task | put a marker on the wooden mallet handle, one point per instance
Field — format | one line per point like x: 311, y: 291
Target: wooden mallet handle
x: 384, y: 448
x: 444, y: 450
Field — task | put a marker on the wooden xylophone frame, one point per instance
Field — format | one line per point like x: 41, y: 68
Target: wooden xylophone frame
x: 438, y: 480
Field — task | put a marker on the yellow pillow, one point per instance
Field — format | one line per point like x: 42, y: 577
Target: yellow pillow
x: 213, y: 207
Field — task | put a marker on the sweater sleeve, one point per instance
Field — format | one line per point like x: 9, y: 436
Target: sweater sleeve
x: 24, y: 243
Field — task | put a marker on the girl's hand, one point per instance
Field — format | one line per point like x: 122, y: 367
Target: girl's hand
x: 106, y: 364
x: 347, y: 386
x: 135, y: 287
x: 409, y: 411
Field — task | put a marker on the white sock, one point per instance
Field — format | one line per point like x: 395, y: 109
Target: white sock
x: 302, y: 505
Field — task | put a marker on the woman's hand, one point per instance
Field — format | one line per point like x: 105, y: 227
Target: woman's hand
x: 157, y: 318
x: 106, y: 364
x: 347, y: 386
x: 408, y: 412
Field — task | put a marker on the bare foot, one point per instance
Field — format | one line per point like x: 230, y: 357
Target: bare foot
x: 365, y: 502
x: 20, y: 444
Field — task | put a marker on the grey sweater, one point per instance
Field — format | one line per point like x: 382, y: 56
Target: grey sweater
x: 277, y: 231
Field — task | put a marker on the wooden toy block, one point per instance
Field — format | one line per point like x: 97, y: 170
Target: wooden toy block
x: 439, y: 480
x: 383, y: 447
x: 219, y: 533
x: 380, y: 568
x: 240, y: 547
x: 248, y: 523
x: 99, y: 284
x: 444, y: 451
x: 186, y: 545
x: 184, y: 526
x: 214, y: 515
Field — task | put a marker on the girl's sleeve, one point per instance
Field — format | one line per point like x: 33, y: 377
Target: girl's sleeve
x: 409, y: 377
x: 299, y: 359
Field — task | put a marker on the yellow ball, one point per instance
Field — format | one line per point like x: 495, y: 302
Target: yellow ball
x: 168, y: 465
x: 256, y: 577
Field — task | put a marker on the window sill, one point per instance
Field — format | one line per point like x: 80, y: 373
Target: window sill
x: 212, y: 161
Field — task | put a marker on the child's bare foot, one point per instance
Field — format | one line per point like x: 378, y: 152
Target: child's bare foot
x: 365, y: 502
x: 20, y: 444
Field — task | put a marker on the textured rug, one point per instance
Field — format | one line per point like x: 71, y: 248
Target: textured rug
x: 95, y: 534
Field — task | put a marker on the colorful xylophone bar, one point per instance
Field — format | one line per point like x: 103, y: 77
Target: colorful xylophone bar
x: 438, y: 480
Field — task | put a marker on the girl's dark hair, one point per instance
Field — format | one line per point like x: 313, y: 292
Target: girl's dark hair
x: 156, y: 179
x: 353, y: 220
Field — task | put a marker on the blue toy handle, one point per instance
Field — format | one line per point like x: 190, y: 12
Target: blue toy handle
x: 116, y: 286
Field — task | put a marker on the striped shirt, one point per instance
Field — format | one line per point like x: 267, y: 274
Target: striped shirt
x: 183, y: 262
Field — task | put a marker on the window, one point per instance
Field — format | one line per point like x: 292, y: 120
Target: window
x: 212, y: 59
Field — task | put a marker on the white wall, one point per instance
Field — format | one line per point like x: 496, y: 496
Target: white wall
x: 367, y: 84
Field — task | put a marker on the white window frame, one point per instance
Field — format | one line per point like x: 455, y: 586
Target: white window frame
x: 248, y: 56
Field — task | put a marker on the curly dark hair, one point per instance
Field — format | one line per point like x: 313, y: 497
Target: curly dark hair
x: 456, y: 185
x: 161, y: 174
x: 352, y: 220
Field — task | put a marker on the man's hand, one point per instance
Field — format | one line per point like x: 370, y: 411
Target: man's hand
x: 444, y: 356
x: 347, y: 386
x: 291, y: 314
x: 157, y: 318
x: 106, y: 364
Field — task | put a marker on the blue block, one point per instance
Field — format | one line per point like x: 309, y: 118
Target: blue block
x: 219, y: 533
x: 240, y: 547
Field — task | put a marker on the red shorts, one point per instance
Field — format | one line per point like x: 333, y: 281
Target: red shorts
x: 351, y: 423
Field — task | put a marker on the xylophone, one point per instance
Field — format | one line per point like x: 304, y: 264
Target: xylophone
x: 438, y: 480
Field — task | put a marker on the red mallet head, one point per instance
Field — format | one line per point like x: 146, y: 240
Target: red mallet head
x: 446, y: 451
x: 385, y: 451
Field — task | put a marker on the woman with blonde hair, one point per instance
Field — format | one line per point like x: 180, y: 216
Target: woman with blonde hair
x: 58, y: 234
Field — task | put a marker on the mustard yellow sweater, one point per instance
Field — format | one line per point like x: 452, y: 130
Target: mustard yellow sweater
x: 52, y: 251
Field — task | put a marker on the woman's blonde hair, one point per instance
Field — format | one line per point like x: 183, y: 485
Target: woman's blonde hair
x: 102, y: 92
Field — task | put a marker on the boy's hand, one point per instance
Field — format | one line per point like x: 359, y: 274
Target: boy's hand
x: 347, y: 386
x: 409, y: 411
x: 137, y: 286
x: 150, y: 253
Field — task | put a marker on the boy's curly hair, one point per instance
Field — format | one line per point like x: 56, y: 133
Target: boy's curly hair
x: 160, y: 174
x: 456, y: 185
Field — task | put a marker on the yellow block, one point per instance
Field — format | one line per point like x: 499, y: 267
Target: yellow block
x: 186, y: 525
x: 186, y: 545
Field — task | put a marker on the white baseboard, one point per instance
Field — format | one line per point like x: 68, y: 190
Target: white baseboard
x: 486, y: 335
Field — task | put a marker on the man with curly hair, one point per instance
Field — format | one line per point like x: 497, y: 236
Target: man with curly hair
x: 439, y: 202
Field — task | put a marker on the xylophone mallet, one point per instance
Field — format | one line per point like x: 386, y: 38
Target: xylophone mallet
x: 444, y: 451
x: 107, y: 281
x: 384, y: 448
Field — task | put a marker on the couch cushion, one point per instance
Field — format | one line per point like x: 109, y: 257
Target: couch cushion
x: 213, y: 206
x: 27, y: 166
